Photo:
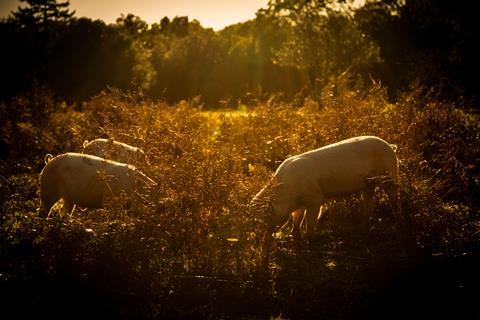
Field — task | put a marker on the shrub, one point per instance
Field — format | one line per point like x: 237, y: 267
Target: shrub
x: 198, y: 250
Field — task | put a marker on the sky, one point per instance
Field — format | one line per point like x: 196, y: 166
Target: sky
x: 214, y: 14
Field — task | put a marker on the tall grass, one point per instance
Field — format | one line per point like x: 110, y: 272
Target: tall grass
x: 197, y: 254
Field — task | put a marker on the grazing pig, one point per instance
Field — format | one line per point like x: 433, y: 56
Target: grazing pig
x: 114, y: 150
x: 304, y: 182
x: 87, y: 181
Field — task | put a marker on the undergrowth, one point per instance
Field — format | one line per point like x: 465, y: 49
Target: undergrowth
x: 198, y: 255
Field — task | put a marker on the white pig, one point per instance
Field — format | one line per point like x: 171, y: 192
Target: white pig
x: 87, y: 181
x: 114, y: 150
x: 304, y: 182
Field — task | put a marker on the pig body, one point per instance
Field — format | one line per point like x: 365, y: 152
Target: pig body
x: 114, y: 150
x: 85, y: 180
x: 304, y: 182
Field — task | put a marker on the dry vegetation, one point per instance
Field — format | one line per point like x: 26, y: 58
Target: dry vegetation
x: 197, y: 255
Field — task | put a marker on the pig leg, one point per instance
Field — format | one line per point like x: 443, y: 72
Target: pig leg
x: 68, y: 207
x: 311, y: 216
x: 297, y: 216
x: 368, y: 199
x: 47, y: 202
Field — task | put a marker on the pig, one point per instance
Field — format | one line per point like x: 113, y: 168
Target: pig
x: 87, y: 181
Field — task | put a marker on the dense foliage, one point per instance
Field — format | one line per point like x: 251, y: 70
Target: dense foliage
x: 197, y: 254
x: 290, y: 46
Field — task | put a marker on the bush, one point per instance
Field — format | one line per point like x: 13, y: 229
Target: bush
x: 198, y: 254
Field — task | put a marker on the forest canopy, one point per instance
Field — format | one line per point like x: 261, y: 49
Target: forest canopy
x: 291, y: 47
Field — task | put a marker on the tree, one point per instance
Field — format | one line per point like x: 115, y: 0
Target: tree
x: 432, y: 41
x: 33, y: 30
x: 41, y: 14
x: 323, y: 40
x: 85, y: 58
x: 134, y: 30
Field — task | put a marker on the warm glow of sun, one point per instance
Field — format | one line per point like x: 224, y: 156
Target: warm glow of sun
x: 215, y: 14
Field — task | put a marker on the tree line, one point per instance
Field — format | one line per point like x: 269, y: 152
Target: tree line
x: 292, y: 48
